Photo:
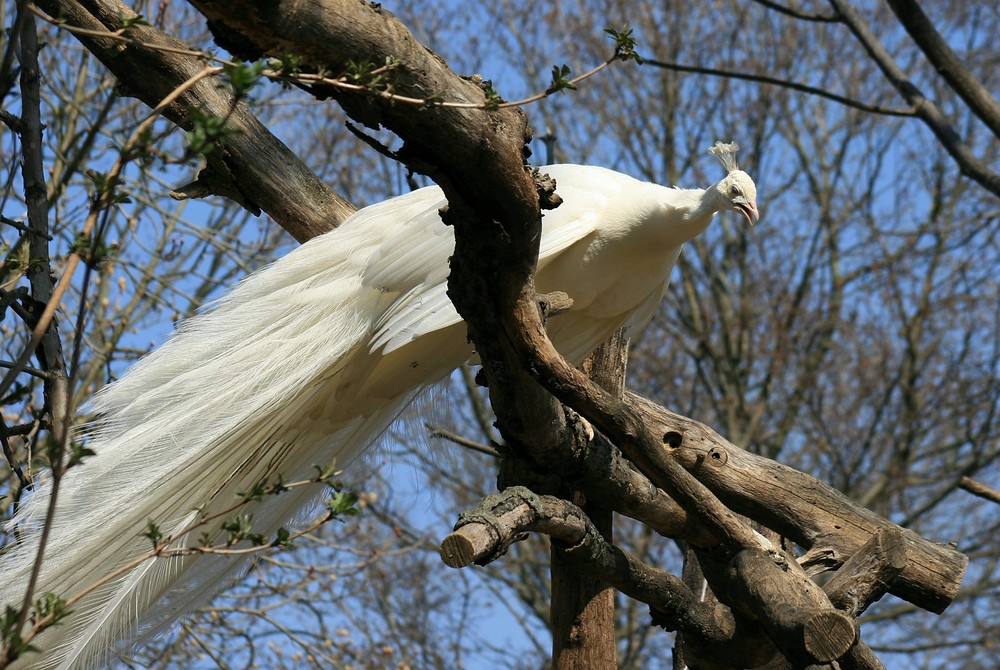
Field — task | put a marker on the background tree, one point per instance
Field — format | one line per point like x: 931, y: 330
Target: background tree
x: 851, y: 335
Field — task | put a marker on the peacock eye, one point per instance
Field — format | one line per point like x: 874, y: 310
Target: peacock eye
x: 734, y: 190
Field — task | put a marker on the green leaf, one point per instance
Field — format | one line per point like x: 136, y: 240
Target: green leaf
x: 343, y: 504
x: 207, y: 133
x: 493, y: 99
x: 10, y: 636
x: 50, y: 605
x: 78, y: 452
x: 624, y: 44
x: 243, y: 77
x: 326, y: 474
x: 9, y: 620
x: 560, y: 80
x: 153, y: 532
x: 370, y: 75
x: 129, y: 21
x: 103, y: 183
x: 256, y: 493
x: 278, y: 486
x: 240, y: 528
x: 282, y: 538
x: 286, y: 64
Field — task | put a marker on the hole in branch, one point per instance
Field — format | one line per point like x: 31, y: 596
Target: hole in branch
x: 672, y: 439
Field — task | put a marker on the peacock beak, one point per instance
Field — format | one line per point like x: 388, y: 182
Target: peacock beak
x: 749, y: 209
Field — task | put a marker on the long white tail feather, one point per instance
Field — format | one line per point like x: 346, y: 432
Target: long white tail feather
x: 305, y: 362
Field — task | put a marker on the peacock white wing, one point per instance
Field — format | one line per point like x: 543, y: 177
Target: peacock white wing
x: 426, y: 308
x: 223, y: 402
x: 306, y: 362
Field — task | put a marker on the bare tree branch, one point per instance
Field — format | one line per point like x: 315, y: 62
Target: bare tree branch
x: 928, y: 112
x: 789, y: 11
x: 947, y: 63
x: 50, y: 350
x: 804, y: 509
x: 869, y: 573
x: 782, y: 83
x: 979, y: 489
x: 485, y: 533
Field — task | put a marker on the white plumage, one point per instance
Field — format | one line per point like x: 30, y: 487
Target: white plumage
x: 307, y: 361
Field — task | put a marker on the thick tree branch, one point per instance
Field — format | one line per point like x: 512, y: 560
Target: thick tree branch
x: 484, y: 534
x: 618, y: 419
x: 809, y: 512
x: 253, y: 166
x: 809, y: 630
x: 869, y: 573
x: 330, y: 35
x: 607, y: 476
x: 793, y: 610
x: 39, y: 271
x: 494, y: 208
x: 583, y: 603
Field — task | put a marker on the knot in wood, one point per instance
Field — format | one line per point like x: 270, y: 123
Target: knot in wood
x: 717, y: 456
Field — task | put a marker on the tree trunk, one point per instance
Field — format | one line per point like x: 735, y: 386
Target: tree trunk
x: 583, y: 607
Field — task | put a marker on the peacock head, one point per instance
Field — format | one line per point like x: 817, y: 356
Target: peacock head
x: 737, y: 191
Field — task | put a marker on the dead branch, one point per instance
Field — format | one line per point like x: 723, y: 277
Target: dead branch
x: 868, y: 574
x: 482, y: 535
x: 813, y: 514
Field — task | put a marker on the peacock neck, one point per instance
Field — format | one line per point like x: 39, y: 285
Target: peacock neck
x: 696, y: 208
x: 710, y: 203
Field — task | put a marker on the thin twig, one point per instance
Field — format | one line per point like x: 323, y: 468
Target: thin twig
x: 34, y: 372
x: 23, y: 481
x: 162, y: 549
x: 795, y: 86
x: 103, y: 201
x: 14, y: 33
x: 17, y: 225
x: 100, y: 203
x: 461, y: 441
x: 314, y: 79
x: 204, y: 647
x: 789, y: 11
x: 18, y: 309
